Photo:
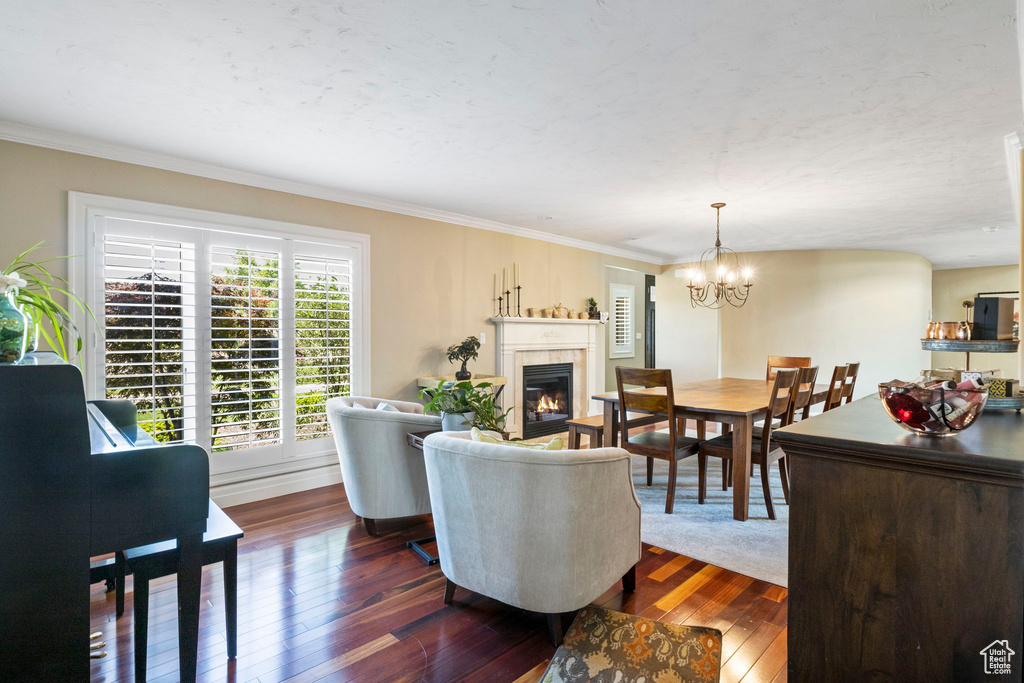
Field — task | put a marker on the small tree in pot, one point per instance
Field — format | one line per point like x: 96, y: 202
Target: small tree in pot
x: 592, y: 311
x: 465, y: 352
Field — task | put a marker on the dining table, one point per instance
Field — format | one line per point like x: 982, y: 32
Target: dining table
x: 728, y: 401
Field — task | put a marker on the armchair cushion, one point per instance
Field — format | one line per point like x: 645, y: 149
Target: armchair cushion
x: 554, y: 445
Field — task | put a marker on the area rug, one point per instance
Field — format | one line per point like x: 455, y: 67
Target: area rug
x: 757, y: 547
x: 604, y: 645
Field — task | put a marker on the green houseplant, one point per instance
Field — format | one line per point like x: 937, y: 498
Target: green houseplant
x: 592, y: 311
x: 465, y: 352
x: 36, y: 295
x: 463, y: 405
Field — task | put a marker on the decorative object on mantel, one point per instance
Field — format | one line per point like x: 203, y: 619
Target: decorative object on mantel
x: 33, y: 288
x: 466, y: 351
x: 934, y: 408
x: 592, y: 310
x: 712, y: 284
x: 559, y: 311
x: 509, y: 287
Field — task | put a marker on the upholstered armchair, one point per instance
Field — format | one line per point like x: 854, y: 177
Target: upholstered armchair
x: 384, y: 477
x: 547, y: 531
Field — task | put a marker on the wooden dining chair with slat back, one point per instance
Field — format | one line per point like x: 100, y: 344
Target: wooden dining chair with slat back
x: 836, y: 388
x: 776, y: 362
x: 851, y: 381
x: 806, y: 377
x: 763, y: 451
x: 671, y: 446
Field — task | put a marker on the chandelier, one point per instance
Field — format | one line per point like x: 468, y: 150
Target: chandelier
x: 715, y: 282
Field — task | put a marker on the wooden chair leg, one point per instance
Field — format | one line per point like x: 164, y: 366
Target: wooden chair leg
x: 670, y: 498
x: 725, y: 474
x: 371, y: 526
x: 784, y: 475
x: 702, y: 477
x: 629, y: 580
x: 766, y: 485
x: 702, y: 429
x: 730, y: 473
x: 449, y: 590
x: 555, y: 628
x: 650, y: 471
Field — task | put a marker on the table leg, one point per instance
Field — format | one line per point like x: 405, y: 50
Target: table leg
x: 741, y: 429
x: 140, y: 613
x: 231, y: 596
x: 190, y: 582
x: 611, y: 416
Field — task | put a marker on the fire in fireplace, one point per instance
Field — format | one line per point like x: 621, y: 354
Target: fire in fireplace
x: 547, y: 398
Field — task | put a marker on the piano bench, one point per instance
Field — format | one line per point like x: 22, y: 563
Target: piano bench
x: 220, y: 544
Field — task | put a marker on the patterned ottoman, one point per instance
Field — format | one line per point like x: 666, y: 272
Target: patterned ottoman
x: 612, y: 647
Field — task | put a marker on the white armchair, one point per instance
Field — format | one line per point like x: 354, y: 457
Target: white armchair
x: 384, y: 477
x: 547, y: 531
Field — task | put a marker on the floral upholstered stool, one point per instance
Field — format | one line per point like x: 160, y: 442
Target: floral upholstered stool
x: 603, y: 645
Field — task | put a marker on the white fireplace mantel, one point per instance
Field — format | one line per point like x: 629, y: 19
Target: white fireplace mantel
x: 518, y: 340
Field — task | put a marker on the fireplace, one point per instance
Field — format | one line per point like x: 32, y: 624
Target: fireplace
x: 547, y: 398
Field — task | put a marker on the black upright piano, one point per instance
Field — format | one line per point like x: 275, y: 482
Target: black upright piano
x: 77, y: 480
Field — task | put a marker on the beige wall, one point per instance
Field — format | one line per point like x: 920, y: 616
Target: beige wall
x: 638, y: 281
x: 430, y: 282
x: 686, y: 340
x: 950, y: 288
x: 836, y: 306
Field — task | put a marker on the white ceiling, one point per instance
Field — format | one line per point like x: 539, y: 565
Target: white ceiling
x: 872, y: 124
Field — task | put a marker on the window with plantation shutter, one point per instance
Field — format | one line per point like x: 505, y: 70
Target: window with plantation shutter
x: 621, y: 329
x: 228, y: 337
x: 323, y: 340
x: 149, y: 345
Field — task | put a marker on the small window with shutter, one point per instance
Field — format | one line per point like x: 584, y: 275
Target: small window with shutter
x: 621, y: 343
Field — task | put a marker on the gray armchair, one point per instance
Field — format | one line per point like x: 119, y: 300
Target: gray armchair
x: 384, y: 477
x: 547, y: 531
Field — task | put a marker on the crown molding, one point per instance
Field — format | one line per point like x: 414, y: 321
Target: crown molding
x: 66, y: 142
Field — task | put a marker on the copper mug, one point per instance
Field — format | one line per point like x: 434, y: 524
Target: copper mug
x: 946, y: 330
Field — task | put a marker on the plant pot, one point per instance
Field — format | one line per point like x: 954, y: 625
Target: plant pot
x: 594, y: 313
x: 463, y: 374
x: 12, y: 330
x: 457, y: 422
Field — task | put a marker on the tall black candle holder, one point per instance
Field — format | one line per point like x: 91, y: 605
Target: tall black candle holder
x: 501, y: 314
x: 518, y: 296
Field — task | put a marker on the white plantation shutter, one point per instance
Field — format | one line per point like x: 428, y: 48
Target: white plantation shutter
x: 245, y: 348
x: 224, y: 338
x: 621, y: 328
x: 323, y: 344
x: 149, y: 345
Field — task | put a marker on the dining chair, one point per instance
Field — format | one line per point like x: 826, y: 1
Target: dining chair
x: 851, y: 381
x: 806, y: 377
x: 670, y: 446
x: 836, y: 388
x: 776, y: 362
x: 763, y: 451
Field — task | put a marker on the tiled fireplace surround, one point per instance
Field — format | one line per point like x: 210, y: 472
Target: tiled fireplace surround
x: 534, y: 341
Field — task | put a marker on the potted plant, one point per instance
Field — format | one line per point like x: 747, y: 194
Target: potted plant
x: 465, y: 352
x: 486, y: 413
x: 34, y: 290
x: 452, y: 401
x: 592, y: 309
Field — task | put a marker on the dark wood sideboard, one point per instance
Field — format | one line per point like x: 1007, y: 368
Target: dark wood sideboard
x: 906, y: 553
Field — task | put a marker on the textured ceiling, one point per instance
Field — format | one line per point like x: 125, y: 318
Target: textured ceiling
x: 872, y: 124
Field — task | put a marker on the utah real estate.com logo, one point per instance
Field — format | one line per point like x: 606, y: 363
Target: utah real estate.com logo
x: 997, y: 657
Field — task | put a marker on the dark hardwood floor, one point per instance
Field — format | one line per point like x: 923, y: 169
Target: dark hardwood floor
x: 321, y: 600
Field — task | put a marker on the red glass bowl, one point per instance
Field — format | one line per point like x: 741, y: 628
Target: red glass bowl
x: 932, y: 412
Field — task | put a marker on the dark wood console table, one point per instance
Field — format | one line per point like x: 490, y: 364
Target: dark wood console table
x: 906, y: 553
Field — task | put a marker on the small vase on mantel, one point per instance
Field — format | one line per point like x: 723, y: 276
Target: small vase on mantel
x: 12, y: 330
x: 463, y: 373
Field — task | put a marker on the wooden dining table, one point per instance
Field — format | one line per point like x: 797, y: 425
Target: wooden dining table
x: 731, y: 401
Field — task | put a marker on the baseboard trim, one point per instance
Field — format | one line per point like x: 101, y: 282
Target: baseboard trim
x: 239, y: 492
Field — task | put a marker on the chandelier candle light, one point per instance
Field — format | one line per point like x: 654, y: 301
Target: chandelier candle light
x: 714, y: 283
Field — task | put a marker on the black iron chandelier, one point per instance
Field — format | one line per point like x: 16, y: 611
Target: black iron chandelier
x: 716, y: 281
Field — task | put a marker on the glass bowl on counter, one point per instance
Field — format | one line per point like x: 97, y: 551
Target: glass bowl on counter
x: 937, y: 410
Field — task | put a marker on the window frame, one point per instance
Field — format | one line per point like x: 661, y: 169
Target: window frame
x: 86, y: 213
x: 621, y: 350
